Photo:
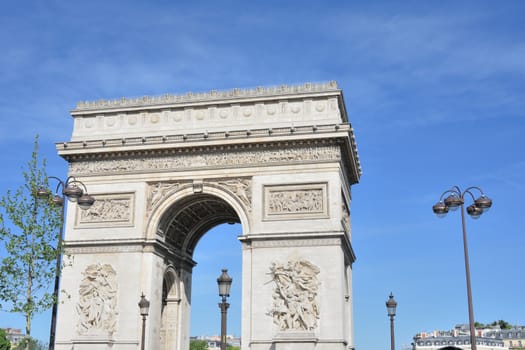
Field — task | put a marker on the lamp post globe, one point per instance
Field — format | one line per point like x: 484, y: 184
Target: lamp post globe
x: 456, y: 199
x: 144, y: 311
x: 65, y: 189
x: 224, y: 282
x: 391, y: 305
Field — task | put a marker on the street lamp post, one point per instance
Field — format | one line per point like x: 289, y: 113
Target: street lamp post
x: 71, y: 190
x: 455, y: 200
x: 391, y: 305
x: 225, y: 282
x: 144, y: 311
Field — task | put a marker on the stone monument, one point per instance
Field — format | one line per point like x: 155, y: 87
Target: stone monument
x: 164, y: 170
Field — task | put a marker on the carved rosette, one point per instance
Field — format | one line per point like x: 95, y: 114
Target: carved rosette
x: 97, y: 305
x: 295, y: 305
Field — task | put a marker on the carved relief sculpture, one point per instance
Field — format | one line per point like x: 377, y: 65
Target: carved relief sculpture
x: 97, y: 305
x: 346, y: 218
x: 213, y: 159
x: 109, y: 209
x: 299, y: 201
x: 295, y: 295
x: 241, y: 188
x: 156, y: 192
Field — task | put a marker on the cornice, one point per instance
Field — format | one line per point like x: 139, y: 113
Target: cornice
x: 217, y: 141
x: 112, y: 246
x: 310, y: 239
x: 207, y: 97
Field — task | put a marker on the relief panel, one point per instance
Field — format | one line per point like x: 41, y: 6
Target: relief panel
x: 108, y: 210
x: 295, y: 305
x: 97, y: 305
x: 304, y: 201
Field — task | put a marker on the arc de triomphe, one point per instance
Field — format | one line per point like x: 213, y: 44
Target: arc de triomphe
x: 164, y: 170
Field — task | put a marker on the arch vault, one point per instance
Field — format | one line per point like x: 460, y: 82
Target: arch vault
x: 164, y: 170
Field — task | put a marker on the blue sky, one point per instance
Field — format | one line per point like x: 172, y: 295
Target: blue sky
x: 435, y: 92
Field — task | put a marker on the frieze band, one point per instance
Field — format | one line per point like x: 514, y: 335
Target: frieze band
x: 207, y: 160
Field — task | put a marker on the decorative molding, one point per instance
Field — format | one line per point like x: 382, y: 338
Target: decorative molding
x: 198, y: 186
x: 217, y: 159
x: 97, y: 305
x: 286, y: 243
x: 240, y: 187
x: 301, y: 201
x: 96, y: 249
x: 214, y: 95
x: 108, y: 210
x: 295, y: 306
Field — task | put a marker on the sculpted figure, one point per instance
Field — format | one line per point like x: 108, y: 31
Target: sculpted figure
x: 241, y: 188
x: 97, y: 300
x: 295, y: 295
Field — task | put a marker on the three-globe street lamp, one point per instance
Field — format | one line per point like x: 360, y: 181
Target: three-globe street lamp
x: 391, y: 305
x: 225, y: 282
x: 144, y: 311
x: 75, y: 191
x: 454, y: 200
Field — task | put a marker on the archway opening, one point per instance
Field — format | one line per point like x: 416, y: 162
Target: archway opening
x: 185, y: 222
x: 218, y: 248
x: 200, y: 233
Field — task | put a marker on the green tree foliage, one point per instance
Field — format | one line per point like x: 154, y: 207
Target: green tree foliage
x: 501, y: 323
x: 28, y: 228
x: 5, y: 344
x: 29, y: 343
x: 198, y: 345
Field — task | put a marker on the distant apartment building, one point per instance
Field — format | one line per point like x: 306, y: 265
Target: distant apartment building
x: 14, y: 335
x: 214, y: 341
x: 513, y: 338
x: 490, y: 338
x: 450, y: 342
